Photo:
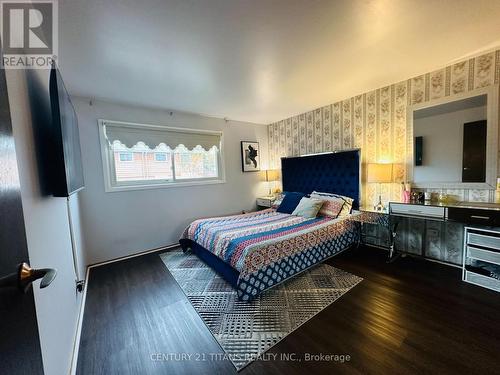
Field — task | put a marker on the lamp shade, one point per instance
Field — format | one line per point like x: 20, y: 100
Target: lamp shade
x: 272, y: 175
x: 379, y: 172
x: 398, y: 172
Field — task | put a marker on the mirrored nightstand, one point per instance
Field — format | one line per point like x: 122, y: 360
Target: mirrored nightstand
x: 368, y: 215
x: 265, y: 202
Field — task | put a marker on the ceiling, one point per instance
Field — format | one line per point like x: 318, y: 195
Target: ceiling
x: 261, y: 60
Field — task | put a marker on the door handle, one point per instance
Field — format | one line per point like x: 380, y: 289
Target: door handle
x: 25, y: 275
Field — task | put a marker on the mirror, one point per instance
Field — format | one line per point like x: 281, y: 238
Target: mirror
x: 450, y: 142
x: 454, y: 141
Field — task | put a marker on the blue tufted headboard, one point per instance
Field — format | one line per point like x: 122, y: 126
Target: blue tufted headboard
x: 333, y: 172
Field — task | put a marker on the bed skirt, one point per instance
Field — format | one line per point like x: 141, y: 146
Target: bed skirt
x: 227, y: 272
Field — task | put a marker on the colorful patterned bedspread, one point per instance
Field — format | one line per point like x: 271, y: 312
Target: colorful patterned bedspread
x: 267, y: 247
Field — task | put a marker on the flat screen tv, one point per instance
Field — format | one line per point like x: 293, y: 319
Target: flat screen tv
x: 66, y: 169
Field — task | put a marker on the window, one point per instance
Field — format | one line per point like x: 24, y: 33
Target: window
x: 126, y: 156
x: 196, y: 163
x: 139, y: 156
x: 139, y: 163
x: 161, y: 156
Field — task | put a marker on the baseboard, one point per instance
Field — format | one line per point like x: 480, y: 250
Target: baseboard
x: 163, y: 248
x: 76, y: 344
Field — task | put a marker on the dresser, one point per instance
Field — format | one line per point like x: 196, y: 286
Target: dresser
x: 465, y: 234
x: 432, y: 231
x: 481, y: 259
x: 483, y: 214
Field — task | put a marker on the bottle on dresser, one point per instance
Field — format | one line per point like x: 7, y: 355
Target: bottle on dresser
x: 406, y: 187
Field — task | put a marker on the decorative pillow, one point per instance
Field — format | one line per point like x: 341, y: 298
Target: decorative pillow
x: 345, y: 204
x: 308, y: 207
x: 332, y: 207
x: 277, y: 201
x: 290, y: 201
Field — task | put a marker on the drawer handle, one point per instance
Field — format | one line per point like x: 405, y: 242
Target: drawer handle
x: 479, y: 217
x: 415, y: 211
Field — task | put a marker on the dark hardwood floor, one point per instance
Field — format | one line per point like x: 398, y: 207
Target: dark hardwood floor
x: 408, y: 317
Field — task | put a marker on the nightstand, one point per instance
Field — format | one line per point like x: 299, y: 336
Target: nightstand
x: 368, y: 215
x: 265, y: 202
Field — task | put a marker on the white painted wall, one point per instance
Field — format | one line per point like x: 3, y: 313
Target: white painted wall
x: 122, y: 223
x: 78, y: 236
x: 443, y: 144
x: 47, y: 231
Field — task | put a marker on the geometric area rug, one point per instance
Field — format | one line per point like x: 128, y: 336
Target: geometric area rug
x: 245, y: 330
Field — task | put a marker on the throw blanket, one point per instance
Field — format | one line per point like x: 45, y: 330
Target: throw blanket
x: 267, y: 247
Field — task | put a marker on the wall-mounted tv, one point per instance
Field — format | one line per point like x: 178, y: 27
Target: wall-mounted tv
x: 66, y: 169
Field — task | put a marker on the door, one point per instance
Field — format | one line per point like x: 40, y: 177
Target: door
x: 19, y: 342
x: 474, y: 156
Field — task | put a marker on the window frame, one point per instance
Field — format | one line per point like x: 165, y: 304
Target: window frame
x: 107, y: 158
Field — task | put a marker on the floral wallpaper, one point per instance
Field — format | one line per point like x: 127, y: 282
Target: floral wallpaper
x: 376, y: 122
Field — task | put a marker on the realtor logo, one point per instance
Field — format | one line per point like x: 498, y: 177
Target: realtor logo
x: 29, y: 33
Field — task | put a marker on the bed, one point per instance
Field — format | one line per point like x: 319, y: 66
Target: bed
x: 259, y: 250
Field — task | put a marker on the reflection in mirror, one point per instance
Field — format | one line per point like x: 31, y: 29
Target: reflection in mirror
x: 474, y: 152
x: 450, y: 141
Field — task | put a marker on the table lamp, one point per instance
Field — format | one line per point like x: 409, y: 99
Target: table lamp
x: 379, y: 173
x: 271, y: 176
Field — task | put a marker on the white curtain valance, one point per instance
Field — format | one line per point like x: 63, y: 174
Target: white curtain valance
x: 130, y: 135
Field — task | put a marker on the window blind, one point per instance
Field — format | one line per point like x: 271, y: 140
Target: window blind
x: 152, y: 136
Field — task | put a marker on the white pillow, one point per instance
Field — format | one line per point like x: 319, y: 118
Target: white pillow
x: 308, y: 207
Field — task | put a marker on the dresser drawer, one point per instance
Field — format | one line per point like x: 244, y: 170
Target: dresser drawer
x: 483, y: 240
x: 417, y: 210
x: 490, y: 218
x: 484, y: 255
x: 485, y: 281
